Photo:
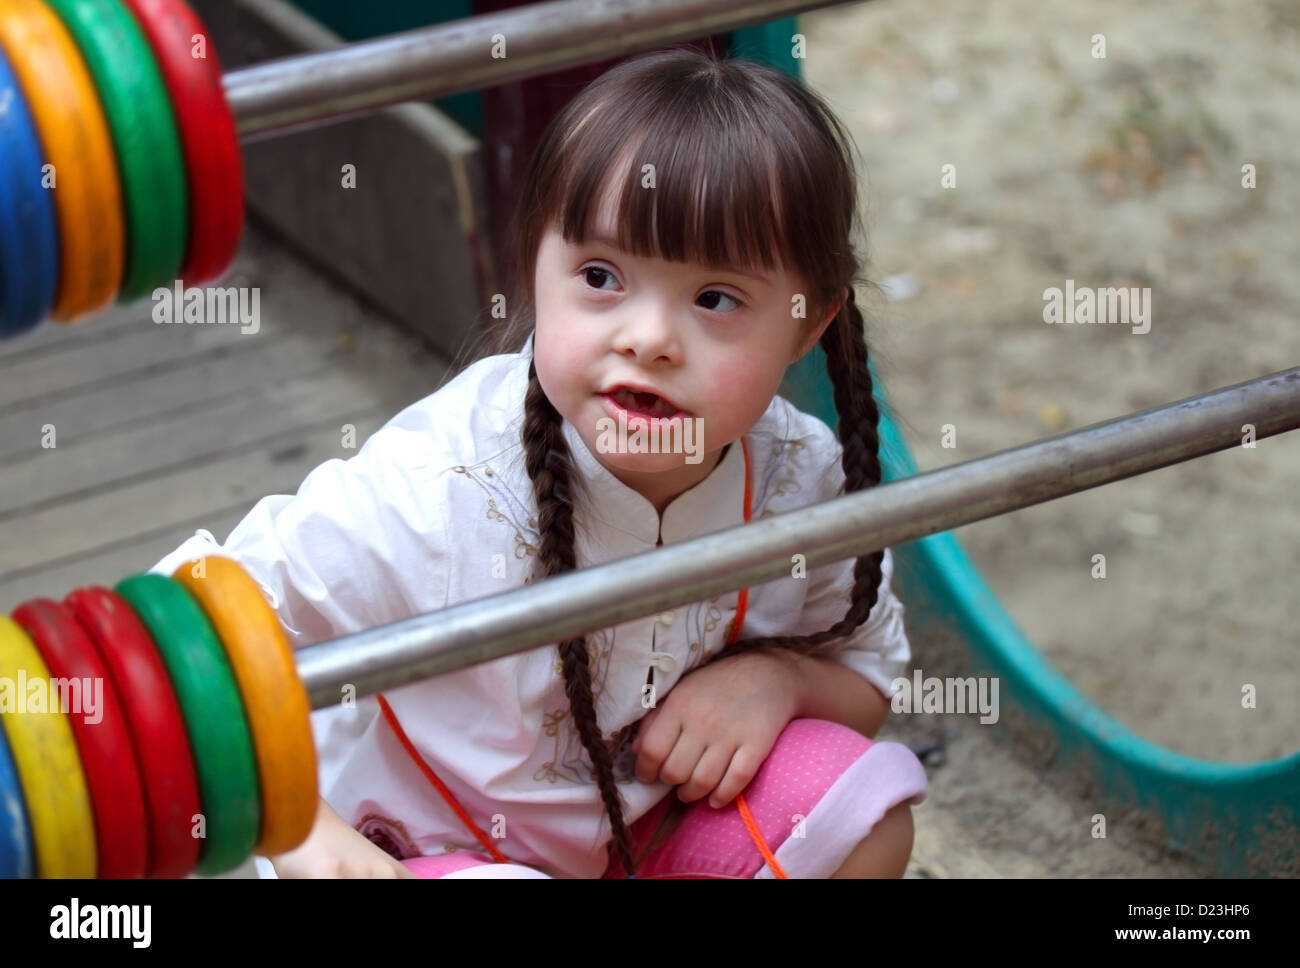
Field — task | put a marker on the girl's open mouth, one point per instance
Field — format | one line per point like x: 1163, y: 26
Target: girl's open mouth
x: 644, y: 404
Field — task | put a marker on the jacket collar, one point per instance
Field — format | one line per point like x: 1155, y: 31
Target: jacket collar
x: 714, y: 504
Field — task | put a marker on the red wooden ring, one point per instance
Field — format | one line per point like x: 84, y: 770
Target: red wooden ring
x: 208, y: 136
x: 107, y: 756
x: 153, y: 714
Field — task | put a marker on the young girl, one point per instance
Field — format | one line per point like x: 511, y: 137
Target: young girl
x: 684, y: 236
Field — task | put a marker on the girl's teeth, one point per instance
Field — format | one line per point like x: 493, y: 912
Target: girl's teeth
x: 645, y: 403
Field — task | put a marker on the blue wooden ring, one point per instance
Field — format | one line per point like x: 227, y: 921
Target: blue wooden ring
x: 17, y: 857
x: 29, y: 240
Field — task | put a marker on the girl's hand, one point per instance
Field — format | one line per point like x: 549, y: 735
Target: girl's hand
x: 714, y: 729
x: 335, y: 849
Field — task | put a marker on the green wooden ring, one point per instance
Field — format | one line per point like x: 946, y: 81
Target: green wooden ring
x: 139, y: 112
x: 214, y: 716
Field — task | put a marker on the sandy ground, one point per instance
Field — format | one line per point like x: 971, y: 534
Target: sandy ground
x: 1122, y: 171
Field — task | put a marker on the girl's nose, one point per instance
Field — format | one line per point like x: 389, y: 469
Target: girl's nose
x: 649, y: 334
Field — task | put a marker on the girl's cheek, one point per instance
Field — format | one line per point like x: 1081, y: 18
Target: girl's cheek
x: 738, y: 376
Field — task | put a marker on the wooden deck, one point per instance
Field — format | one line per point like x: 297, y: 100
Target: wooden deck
x: 159, y: 430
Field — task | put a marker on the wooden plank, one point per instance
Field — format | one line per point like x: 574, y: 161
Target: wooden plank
x: 78, y: 366
x: 182, y: 437
x: 49, y: 336
x: 244, y: 366
x: 98, y: 521
x: 110, y: 564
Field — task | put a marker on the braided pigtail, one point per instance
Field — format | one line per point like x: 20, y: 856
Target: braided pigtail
x: 550, y: 467
x: 846, y: 361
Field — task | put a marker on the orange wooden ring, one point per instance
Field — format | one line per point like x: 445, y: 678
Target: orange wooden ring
x: 275, y: 700
x: 77, y: 143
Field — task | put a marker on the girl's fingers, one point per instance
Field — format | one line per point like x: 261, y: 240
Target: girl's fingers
x: 642, y: 727
x: 741, y: 770
x: 655, y: 749
x: 710, y: 769
x: 682, y: 761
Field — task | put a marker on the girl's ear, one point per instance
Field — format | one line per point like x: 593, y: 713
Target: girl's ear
x: 814, y: 335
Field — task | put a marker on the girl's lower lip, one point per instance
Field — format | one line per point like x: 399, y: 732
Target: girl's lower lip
x: 615, y: 410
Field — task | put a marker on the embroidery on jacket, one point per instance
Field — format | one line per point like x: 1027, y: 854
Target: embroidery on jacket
x: 497, y: 496
x: 388, y: 835
x: 569, y: 760
x: 779, y: 475
x: 702, y: 618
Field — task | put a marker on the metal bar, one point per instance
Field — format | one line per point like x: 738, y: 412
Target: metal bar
x: 855, y: 524
x: 309, y: 89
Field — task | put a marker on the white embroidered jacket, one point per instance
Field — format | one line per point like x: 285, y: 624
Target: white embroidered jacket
x: 433, y: 507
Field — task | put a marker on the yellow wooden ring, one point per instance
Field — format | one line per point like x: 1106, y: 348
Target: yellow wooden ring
x: 48, y: 763
x: 275, y: 699
x: 77, y: 142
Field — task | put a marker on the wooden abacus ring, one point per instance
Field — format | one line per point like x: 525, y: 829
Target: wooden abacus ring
x: 99, y: 726
x: 48, y: 765
x: 209, y: 141
x: 74, y: 134
x: 17, y: 857
x: 214, y: 716
x: 29, y: 231
x: 139, y: 112
x: 275, y: 699
x: 153, y: 714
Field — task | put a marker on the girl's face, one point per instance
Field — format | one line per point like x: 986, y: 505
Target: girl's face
x: 713, y: 343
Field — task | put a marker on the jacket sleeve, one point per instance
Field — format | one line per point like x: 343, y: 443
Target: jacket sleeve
x: 878, y: 648
x: 362, y: 543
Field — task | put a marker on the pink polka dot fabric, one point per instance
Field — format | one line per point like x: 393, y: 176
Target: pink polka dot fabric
x: 809, y: 757
x: 819, y: 792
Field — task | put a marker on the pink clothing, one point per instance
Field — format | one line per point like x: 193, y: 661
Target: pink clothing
x: 821, y: 790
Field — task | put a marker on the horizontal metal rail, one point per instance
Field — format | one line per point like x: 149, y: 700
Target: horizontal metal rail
x: 311, y: 89
x: 855, y: 524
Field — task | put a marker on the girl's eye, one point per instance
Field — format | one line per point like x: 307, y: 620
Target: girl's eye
x: 709, y: 300
x: 596, y: 277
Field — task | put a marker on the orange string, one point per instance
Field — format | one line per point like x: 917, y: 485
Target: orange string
x: 433, y: 778
x: 757, y: 837
x: 741, y: 603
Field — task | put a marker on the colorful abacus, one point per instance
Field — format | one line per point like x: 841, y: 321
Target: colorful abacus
x: 194, y: 751
x: 120, y: 168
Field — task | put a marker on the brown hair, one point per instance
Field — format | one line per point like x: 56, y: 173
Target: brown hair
x: 751, y: 169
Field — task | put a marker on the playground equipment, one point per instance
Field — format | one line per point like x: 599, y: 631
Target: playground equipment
x: 1231, y: 817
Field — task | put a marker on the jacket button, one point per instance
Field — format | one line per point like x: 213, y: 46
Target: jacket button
x: 667, y: 617
x: 663, y: 661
